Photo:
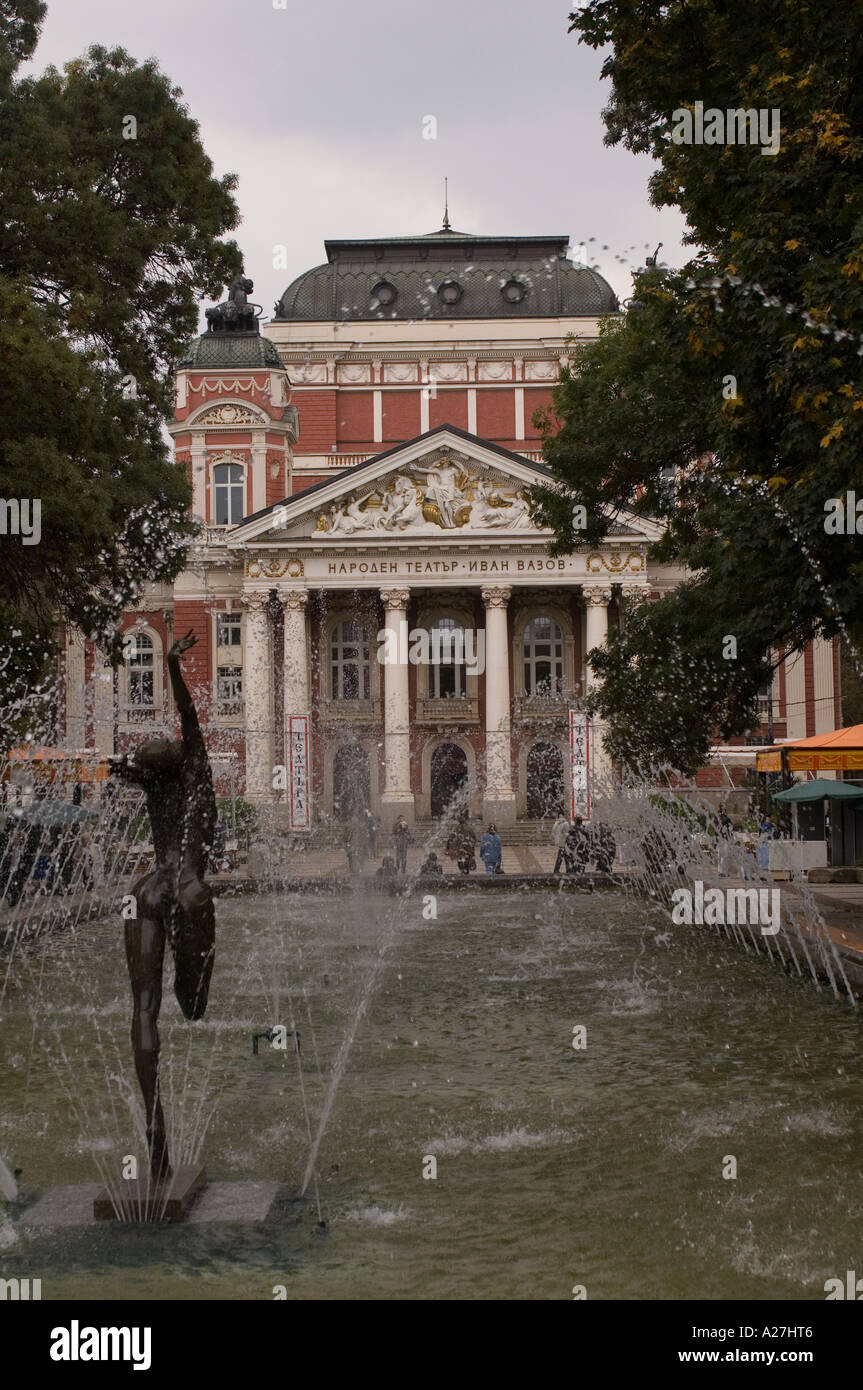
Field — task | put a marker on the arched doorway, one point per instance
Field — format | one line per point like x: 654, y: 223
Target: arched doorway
x: 545, y: 791
x: 351, y: 781
x: 448, y: 776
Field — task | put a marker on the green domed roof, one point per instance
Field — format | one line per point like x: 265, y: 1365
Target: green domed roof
x: 447, y: 275
x: 241, y: 350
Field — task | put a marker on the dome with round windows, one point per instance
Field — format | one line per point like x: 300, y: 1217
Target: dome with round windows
x: 446, y: 275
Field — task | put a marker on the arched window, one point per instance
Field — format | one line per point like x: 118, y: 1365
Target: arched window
x: 351, y: 782
x: 229, y: 485
x: 545, y: 781
x: 447, y: 675
x: 141, y: 678
x: 350, y: 661
x: 140, y: 687
x: 543, y: 657
x: 449, y: 774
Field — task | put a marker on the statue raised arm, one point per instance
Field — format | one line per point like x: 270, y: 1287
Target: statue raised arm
x: 173, y: 902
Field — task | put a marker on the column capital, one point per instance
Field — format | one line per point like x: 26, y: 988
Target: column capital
x: 255, y: 600
x: 294, y: 600
x: 496, y: 596
x: 395, y: 599
x: 596, y: 596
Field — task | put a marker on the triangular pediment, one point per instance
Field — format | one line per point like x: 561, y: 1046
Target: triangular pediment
x: 445, y: 485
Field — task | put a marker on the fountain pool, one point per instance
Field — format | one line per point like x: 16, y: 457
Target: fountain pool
x: 556, y: 1166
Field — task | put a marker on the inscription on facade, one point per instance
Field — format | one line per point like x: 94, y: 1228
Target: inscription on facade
x: 443, y: 566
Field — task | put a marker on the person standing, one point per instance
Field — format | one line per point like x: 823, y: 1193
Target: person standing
x: 386, y: 872
x: 766, y: 835
x: 577, y: 848
x: 726, y: 836
x: 401, y: 839
x: 357, y: 843
x: 604, y: 849
x: 371, y: 833
x: 466, y: 848
x: 491, y: 850
x: 559, y: 832
x: 461, y: 845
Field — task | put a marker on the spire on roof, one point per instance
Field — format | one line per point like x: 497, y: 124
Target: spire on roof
x: 446, y: 222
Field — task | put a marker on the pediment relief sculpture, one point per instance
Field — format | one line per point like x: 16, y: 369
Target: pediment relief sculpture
x: 229, y: 414
x: 430, y: 497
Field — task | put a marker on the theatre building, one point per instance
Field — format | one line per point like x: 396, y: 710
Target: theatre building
x: 360, y: 467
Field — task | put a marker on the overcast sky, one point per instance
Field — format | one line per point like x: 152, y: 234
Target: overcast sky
x: 319, y: 109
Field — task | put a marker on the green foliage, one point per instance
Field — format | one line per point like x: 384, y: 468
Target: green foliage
x: 138, y: 831
x: 681, y: 810
x: 852, y: 680
x: 773, y: 299
x: 106, y: 246
x: 240, y: 813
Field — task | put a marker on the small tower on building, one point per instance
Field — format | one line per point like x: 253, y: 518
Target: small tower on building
x: 234, y: 427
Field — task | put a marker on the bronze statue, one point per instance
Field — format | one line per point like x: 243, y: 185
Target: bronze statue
x: 172, y: 901
x: 236, y: 314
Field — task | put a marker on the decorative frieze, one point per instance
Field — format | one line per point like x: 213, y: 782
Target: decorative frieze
x: 306, y: 373
x: 494, y: 371
x: 352, y: 373
x: 218, y: 385
x: 400, y: 372
x: 228, y: 413
x: 616, y: 562
x: 274, y: 567
x: 541, y: 371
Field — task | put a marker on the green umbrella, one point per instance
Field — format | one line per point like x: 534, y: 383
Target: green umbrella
x: 819, y: 790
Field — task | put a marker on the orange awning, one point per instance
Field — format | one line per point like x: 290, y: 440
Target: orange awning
x: 58, y: 764
x: 840, y: 750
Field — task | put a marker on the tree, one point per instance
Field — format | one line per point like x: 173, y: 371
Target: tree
x: 110, y: 232
x: 738, y: 375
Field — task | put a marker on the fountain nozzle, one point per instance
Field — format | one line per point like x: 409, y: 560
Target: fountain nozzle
x: 271, y: 1034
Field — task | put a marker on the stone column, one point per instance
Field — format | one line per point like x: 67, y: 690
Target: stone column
x: 199, y: 480
x: 499, y: 802
x: 75, y: 690
x: 104, y: 711
x: 258, y: 465
x: 257, y: 697
x: 597, y: 600
x: 397, y: 799
x: 296, y: 663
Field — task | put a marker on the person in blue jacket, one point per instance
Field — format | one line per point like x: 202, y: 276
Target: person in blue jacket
x: 491, y: 850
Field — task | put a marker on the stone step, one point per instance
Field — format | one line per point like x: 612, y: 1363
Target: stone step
x: 325, y: 837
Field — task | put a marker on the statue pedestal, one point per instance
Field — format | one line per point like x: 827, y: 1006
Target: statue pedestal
x: 220, y: 1204
x: 140, y: 1199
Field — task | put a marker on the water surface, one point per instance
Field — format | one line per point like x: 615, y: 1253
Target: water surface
x: 556, y: 1167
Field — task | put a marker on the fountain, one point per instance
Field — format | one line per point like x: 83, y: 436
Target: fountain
x: 439, y: 1097
x: 170, y: 905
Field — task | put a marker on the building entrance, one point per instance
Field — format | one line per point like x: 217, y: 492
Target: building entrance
x: 448, y: 776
